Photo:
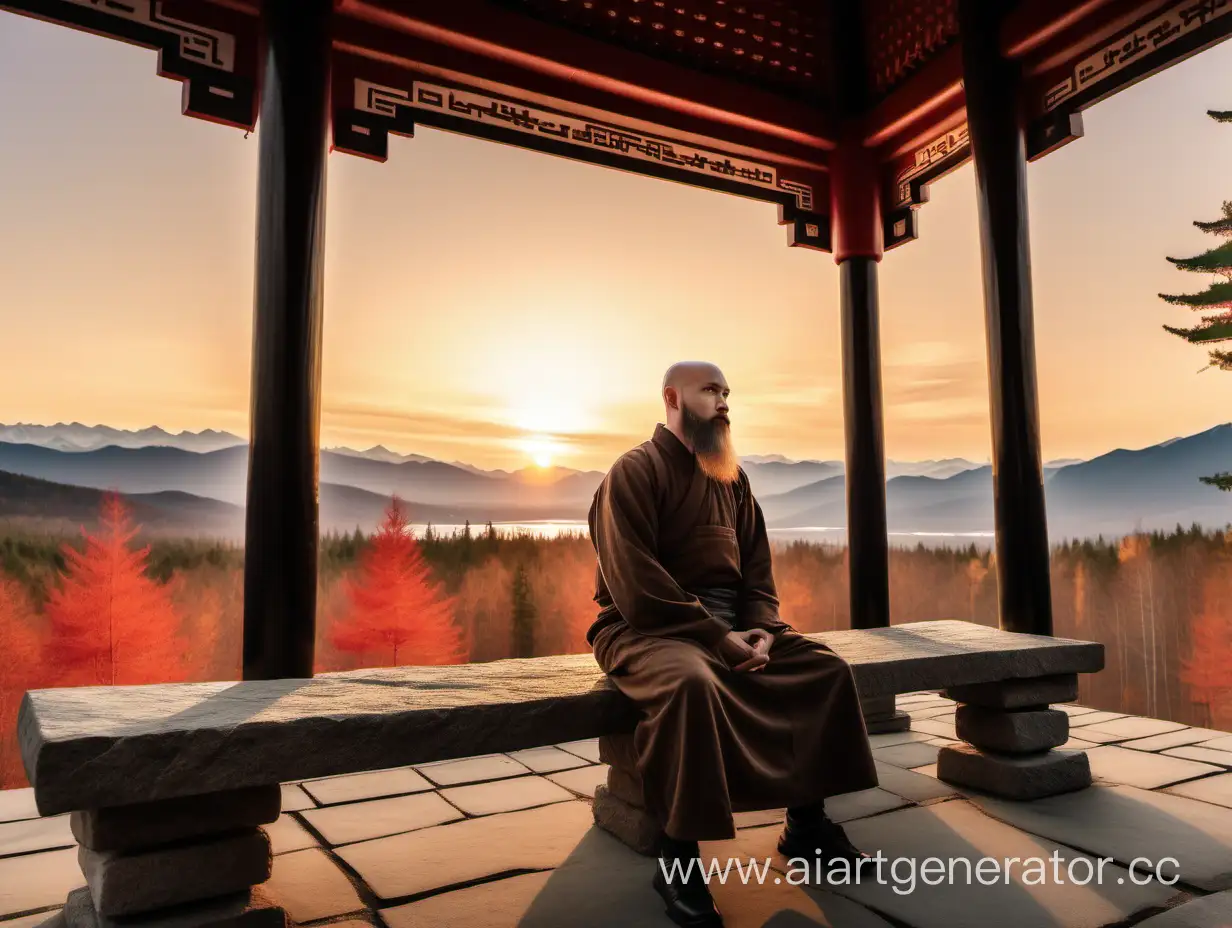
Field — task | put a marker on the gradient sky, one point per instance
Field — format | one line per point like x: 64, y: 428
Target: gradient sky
x: 480, y: 298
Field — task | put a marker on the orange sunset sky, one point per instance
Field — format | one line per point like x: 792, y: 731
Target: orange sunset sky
x: 492, y: 305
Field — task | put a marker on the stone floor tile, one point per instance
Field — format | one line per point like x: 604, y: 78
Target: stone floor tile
x: 1072, y: 710
x: 587, y: 748
x: 1095, y: 735
x: 32, y: 881
x: 1217, y: 790
x: 957, y: 831
x: 376, y: 818
x: 294, y: 799
x: 1140, y: 768
x: 603, y: 884
x: 1131, y: 726
x: 936, y: 728
x: 885, y: 739
x: 1094, y: 718
x: 547, y: 760
x: 505, y: 795
x: 1124, y: 822
x: 374, y: 784
x: 1171, y: 739
x: 1197, y: 752
x: 1213, y: 911
x: 862, y: 803
x: 17, y: 804
x: 287, y: 834
x: 1223, y: 743
x: 932, y: 712
x: 908, y: 754
x: 760, y: 818
x: 36, y: 834
x: 912, y: 784
x: 1076, y: 744
x: 471, y: 769
x: 498, y: 904
x: 30, y: 921
x: 309, y: 885
x: 535, y: 839
x: 581, y: 780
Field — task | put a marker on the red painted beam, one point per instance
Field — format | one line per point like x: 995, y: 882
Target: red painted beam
x: 1044, y: 48
x: 502, y: 36
x: 925, y: 99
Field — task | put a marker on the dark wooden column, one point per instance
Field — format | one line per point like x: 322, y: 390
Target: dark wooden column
x: 280, y: 560
x: 994, y: 121
x: 856, y: 237
x: 855, y: 216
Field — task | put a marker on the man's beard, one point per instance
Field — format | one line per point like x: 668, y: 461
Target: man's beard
x: 712, y: 445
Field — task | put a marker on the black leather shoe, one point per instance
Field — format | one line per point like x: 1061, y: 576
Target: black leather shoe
x: 688, y: 902
x: 819, y: 837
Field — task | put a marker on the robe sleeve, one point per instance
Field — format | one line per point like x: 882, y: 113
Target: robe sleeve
x: 625, y: 529
x: 759, y: 604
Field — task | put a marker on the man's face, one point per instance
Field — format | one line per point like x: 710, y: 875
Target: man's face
x: 704, y: 421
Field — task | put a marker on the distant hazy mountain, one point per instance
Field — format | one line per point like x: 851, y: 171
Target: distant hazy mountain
x: 74, y: 436
x: 379, y: 453
x: 1115, y: 493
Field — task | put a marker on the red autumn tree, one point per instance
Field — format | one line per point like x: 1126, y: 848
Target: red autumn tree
x: 19, y: 669
x: 395, y: 612
x: 109, y: 622
x: 1208, y: 671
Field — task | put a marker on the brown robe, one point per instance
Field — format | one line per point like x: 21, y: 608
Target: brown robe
x: 712, y: 740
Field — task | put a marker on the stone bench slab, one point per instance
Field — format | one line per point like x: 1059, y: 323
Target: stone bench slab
x: 85, y: 747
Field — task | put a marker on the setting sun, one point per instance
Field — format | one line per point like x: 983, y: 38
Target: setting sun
x: 541, y: 449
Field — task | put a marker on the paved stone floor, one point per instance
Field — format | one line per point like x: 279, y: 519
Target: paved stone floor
x: 508, y: 840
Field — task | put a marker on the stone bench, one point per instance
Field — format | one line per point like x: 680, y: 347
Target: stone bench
x: 169, y: 784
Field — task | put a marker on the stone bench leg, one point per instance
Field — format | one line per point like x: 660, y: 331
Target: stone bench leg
x: 620, y: 807
x: 187, y: 862
x: 880, y: 715
x: 1010, y: 732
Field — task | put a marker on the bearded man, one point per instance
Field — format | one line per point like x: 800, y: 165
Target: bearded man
x: 740, y: 711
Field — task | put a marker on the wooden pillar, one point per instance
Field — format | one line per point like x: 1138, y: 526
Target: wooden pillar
x: 855, y: 215
x: 994, y: 120
x: 280, y: 560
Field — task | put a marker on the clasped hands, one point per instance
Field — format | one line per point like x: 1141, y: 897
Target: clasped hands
x: 746, y: 650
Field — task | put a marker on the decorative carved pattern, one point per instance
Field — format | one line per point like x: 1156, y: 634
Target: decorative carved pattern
x: 903, y: 34
x: 940, y: 156
x: 1171, y: 32
x: 378, y: 109
x: 206, y: 59
x: 1170, y: 26
x: 777, y: 44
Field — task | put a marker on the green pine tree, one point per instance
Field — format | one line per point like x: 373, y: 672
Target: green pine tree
x: 524, y: 614
x: 1216, y: 297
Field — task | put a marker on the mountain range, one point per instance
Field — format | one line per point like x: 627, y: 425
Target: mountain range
x: 195, y: 483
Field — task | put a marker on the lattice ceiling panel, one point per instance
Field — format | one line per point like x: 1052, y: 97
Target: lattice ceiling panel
x: 775, y: 44
x: 901, y: 35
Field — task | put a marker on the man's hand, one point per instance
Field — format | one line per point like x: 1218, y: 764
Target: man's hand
x: 746, y: 651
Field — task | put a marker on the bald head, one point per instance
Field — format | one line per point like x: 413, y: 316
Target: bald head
x: 686, y: 374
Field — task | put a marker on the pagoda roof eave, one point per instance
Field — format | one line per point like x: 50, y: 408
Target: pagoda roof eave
x: 539, y: 48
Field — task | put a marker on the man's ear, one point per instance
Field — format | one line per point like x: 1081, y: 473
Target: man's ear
x: 671, y: 397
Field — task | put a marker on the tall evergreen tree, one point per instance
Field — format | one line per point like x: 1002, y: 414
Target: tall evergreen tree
x: 397, y: 612
x: 524, y: 614
x: 1216, y: 297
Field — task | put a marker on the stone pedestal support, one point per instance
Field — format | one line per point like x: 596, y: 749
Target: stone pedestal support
x: 620, y: 805
x: 186, y: 862
x: 881, y: 716
x: 1010, y: 734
